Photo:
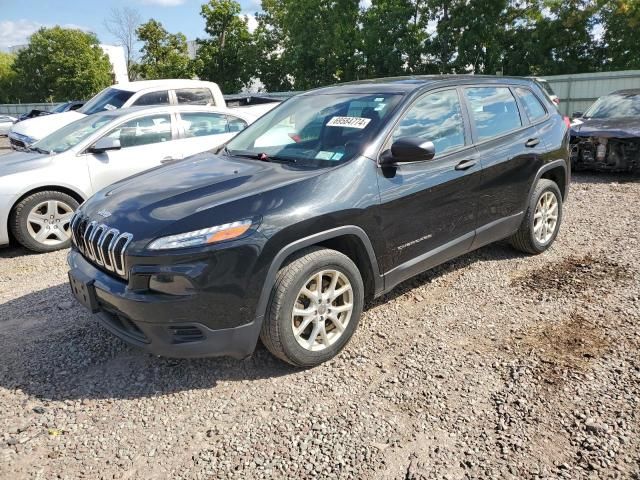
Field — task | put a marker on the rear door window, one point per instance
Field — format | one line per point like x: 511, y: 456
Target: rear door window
x: 194, y: 96
x: 236, y: 124
x: 201, y: 124
x: 493, y: 110
x: 532, y: 106
x: 153, y: 98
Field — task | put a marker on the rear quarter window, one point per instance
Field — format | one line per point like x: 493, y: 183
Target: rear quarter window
x: 532, y: 106
x: 493, y: 110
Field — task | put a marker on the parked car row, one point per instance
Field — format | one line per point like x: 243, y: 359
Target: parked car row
x: 335, y: 196
x: 41, y: 188
x: 123, y: 95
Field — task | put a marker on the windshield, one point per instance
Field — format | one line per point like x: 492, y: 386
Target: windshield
x: 318, y: 130
x: 60, y: 108
x: 71, y: 135
x: 108, y: 99
x: 615, y: 105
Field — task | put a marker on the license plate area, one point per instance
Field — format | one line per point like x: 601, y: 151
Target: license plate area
x: 83, y: 290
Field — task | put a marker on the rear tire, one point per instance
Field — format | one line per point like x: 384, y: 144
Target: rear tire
x: 307, y: 325
x: 42, y: 221
x: 542, y: 219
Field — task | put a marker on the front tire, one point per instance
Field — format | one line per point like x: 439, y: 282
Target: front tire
x: 315, y: 307
x: 42, y: 221
x: 542, y: 219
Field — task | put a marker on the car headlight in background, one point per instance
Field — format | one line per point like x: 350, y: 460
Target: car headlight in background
x: 22, y: 138
x: 205, y: 236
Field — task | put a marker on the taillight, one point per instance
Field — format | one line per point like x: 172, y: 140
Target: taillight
x: 567, y: 122
x: 556, y: 101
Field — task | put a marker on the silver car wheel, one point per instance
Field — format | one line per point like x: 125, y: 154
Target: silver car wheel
x: 545, y: 219
x: 322, y: 310
x: 49, y: 222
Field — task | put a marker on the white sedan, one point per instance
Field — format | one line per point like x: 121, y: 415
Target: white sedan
x: 40, y: 189
x: 6, y: 122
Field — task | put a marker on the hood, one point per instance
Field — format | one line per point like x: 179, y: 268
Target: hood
x: 198, y: 192
x: 626, y: 127
x: 16, y: 162
x: 39, y: 127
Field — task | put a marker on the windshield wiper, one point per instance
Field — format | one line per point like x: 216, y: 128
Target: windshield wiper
x: 39, y: 150
x: 265, y: 157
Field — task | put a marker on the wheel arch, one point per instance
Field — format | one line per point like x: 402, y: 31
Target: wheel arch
x: 76, y: 195
x: 350, y: 240
x: 556, y: 171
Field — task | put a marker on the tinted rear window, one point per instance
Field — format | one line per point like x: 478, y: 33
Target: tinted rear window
x: 153, y: 98
x: 494, y: 111
x: 531, y: 104
x: 194, y: 96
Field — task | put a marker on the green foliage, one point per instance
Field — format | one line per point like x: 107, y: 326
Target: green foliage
x: 164, y: 54
x: 227, y: 56
x: 8, y: 82
x: 61, y: 64
x: 301, y: 44
x: 621, y: 23
x: 318, y: 40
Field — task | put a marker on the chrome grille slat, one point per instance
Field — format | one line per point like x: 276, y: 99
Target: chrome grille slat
x: 104, y: 246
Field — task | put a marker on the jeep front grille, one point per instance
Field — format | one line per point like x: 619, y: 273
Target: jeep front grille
x: 102, y: 245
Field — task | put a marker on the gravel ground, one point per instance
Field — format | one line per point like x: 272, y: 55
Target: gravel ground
x: 495, y: 365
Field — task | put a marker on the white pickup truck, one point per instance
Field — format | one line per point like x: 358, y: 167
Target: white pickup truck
x: 122, y: 95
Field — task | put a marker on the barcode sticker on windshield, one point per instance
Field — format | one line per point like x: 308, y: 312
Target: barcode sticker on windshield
x: 349, y: 122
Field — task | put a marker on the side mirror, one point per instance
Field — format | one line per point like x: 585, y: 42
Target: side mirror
x: 105, y: 144
x: 409, y: 149
x: 577, y: 114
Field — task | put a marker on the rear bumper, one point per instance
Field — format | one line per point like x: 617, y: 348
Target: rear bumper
x: 166, y: 325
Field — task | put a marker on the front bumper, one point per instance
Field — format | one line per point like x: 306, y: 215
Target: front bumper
x: 5, y: 208
x: 20, y: 142
x: 166, y: 325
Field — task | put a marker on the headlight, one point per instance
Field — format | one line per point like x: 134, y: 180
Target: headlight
x: 206, y: 236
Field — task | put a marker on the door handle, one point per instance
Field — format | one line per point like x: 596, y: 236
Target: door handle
x: 532, y: 142
x: 168, y: 160
x: 466, y: 164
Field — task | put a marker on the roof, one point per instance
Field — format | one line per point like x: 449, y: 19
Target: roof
x: 166, y: 83
x: 627, y: 91
x: 411, y: 83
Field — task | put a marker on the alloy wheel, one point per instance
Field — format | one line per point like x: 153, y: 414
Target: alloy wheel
x: 322, y: 310
x: 545, y: 219
x: 49, y: 222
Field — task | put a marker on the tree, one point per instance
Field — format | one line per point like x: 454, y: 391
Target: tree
x: 387, y: 37
x: 7, y: 78
x: 227, y: 56
x: 318, y: 39
x: 620, y: 21
x: 61, y: 64
x: 164, y: 54
x: 122, y: 24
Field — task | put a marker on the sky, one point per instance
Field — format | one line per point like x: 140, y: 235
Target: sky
x: 21, y: 18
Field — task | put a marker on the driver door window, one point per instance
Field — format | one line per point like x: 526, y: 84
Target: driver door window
x: 436, y: 117
x: 145, y: 142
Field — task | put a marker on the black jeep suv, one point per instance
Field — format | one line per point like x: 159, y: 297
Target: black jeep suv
x: 336, y: 196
